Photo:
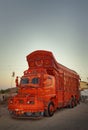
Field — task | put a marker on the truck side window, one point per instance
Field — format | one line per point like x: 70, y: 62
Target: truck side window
x: 48, y: 81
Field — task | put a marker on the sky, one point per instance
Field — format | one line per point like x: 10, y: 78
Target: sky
x: 60, y: 26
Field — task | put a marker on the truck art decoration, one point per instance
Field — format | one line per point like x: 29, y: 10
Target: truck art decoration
x: 44, y: 87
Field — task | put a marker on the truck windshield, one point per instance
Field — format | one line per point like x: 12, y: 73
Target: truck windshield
x: 24, y: 81
x: 35, y: 80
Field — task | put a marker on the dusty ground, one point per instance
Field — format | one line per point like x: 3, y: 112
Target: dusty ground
x: 65, y: 119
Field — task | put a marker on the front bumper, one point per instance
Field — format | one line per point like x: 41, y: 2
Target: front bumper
x: 35, y: 109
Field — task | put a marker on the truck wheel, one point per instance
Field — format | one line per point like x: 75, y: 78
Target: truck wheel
x: 72, y: 103
x: 50, y: 111
x: 76, y: 102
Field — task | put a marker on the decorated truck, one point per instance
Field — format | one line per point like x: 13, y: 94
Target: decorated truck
x: 44, y: 87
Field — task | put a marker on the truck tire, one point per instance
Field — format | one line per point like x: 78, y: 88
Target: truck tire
x: 72, y: 103
x: 50, y: 111
x: 76, y: 102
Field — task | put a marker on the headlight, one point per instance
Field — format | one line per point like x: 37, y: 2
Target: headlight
x: 11, y: 101
x: 30, y: 102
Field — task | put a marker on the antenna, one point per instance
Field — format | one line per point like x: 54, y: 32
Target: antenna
x: 12, y: 79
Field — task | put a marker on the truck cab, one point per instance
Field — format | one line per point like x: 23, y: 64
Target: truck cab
x: 35, y: 93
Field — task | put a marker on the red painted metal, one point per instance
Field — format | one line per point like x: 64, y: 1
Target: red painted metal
x: 44, y: 87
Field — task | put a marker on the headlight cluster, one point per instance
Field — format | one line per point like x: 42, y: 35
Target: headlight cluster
x: 21, y: 101
x: 30, y: 102
x: 11, y: 101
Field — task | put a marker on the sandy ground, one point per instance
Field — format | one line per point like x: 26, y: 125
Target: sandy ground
x: 64, y: 119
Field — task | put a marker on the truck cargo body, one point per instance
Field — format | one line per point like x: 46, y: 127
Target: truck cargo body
x: 44, y: 87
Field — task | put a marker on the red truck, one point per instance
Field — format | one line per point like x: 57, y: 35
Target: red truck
x: 44, y: 87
